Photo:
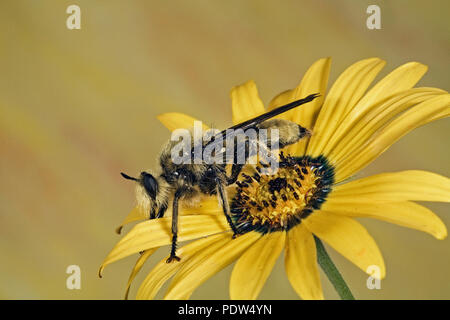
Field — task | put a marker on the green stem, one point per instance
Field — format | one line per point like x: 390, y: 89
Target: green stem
x: 332, y: 272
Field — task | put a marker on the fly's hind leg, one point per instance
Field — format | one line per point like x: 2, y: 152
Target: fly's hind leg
x: 226, y: 207
x: 162, y: 210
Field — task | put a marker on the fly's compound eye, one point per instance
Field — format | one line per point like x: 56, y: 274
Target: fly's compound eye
x: 150, y: 184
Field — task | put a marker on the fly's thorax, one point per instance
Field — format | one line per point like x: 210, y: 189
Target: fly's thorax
x: 177, y: 157
x: 186, y: 146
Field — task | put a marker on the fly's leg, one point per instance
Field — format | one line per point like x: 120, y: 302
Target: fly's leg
x: 173, y: 255
x: 226, y: 207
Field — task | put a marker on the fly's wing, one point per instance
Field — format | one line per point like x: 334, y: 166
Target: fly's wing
x: 252, y: 123
x: 218, y: 141
x: 235, y: 149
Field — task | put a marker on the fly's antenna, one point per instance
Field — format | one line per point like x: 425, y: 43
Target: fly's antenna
x: 128, y: 177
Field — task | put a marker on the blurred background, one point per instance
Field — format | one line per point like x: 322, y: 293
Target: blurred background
x: 79, y: 106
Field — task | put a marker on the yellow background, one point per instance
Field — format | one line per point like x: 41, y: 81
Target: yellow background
x: 79, y: 106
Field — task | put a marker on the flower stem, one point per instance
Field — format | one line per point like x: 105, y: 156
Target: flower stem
x: 332, y: 272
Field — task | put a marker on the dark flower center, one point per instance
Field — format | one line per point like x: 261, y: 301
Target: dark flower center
x: 274, y: 202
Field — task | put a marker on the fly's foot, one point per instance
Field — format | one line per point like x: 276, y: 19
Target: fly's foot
x: 235, y: 235
x: 172, y: 258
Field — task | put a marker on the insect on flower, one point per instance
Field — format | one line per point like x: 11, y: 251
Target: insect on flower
x: 314, y: 195
x: 186, y: 181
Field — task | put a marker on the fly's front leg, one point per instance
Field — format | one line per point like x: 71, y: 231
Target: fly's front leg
x: 162, y: 210
x: 173, y: 255
x: 152, y: 212
x: 226, y: 207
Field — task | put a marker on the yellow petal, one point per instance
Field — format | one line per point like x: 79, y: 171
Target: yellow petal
x: 163, y: 270
x: 397, y: 186
x: 419, y: 115
x: 137, y: 267
x: 191, y: 264
x: 344, y: 94
x: 377, y: 117
x: 348, y: 237
x: 402, y: 78
x: 157, y: 233
x: 211, y: 265
x: 135, y: 215
x: 406, y: 214
x: 255, y: 265
x: 176, y: 120
x: 245, y: 102
x: 315, y: 80
x: 207, y: 206
x: 279, y: 100
x: 301, y: 263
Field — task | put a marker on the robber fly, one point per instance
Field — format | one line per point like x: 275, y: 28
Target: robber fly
x: 180, y: 182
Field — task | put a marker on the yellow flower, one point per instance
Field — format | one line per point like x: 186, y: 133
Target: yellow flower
x: 351, y: 126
